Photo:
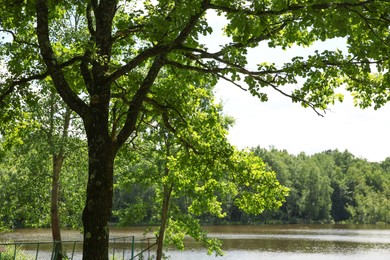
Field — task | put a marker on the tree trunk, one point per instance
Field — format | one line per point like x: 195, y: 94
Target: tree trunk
x: 164, y: 219
x: 97, y: 211
x: 55, y: 218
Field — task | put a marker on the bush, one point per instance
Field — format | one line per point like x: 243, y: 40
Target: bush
x: 10, y: 253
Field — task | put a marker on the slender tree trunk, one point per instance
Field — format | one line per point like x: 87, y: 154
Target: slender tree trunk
x: 55, y: 218
x: 164, y: 220
x: 58, y: 160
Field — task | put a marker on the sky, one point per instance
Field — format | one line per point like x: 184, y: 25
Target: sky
x: 286, y: 125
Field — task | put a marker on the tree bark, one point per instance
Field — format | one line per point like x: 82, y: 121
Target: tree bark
x: 97, y: 211
x: 55, y: 218
x: 164, y: 219
x: 58, y: 160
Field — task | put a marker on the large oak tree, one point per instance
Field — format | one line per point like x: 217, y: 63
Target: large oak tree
x: 104, y: 56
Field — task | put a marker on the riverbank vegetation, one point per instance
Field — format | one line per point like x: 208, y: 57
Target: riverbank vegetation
x: 331, y: 186
x: 327, y: 187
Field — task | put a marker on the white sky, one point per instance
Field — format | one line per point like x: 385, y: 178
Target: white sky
x: 286, y: 125
x: 289, y: 126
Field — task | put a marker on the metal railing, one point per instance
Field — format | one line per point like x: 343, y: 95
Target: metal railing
x: 120, y: 248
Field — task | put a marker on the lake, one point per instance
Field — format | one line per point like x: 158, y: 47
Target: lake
x: 287, y: 242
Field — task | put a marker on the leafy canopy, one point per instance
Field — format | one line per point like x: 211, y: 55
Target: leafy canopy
x: 104, y: 58
x: 139, y: 31
x: 188, y: 170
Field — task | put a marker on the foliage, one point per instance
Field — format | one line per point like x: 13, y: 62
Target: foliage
x: 10, y: 253
x: 105, y: 58
x: 330, y: 186
x: 25, y: 173
x: 192, y: 173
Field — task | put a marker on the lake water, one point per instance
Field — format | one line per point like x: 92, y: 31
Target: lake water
x: 276, y: 242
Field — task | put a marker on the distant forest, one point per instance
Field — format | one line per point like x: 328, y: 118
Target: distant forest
x: 326, y: 187
x: 331, y: 186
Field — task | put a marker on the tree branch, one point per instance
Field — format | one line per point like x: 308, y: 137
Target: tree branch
x: 369, y: 26
x: 137, y: 101
x: 289, y: 8
x: 25, y: 80
x: 53, y: 68
x: 170, y: 128
x: 85, y: 71
x: 292, y: 97
x: 15, y: 39
x: 164, y: 108
x: 124, y: 33
x: 143, y: 56
x: 160, y: 49
x: 91, y: 29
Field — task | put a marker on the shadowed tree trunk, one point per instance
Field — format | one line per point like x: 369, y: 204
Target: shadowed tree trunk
x: 55, y: 217
x: 58, y: 160
x: 167, y: 191
x: 101, y: 154
x: 164, y: 219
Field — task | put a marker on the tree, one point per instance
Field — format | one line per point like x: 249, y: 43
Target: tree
x: 315, y: 200
x: 97, y: 52
x: 194, y: 169
x: 62, y: 133
x: 26, y: 181
x: 55, y: 131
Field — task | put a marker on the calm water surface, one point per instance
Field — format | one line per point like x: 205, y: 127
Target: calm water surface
x: 287, y: 242
x: 300, y: 242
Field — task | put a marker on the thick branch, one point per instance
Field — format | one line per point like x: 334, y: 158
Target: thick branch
x: 137, y: 102
x: 91, y: 28
x: 25, y: 80
x: 143, y: 56
x: 160, y: 49
x: 85, y: 71
x: 54, y: 69
x: 194, y: 68
x: 191, y: 24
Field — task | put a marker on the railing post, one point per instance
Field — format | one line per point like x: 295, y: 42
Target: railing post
x: 15, y: 252
x: 74, y: 246
x: 53, y: 251
x: 36, y: 254
x: 113, y: 249
x: 124, y: 247
x: 132, y: 247
x: 148, y: 248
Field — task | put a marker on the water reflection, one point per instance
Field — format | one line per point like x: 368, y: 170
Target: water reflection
x: 300, y: 242
x: 276, y: 242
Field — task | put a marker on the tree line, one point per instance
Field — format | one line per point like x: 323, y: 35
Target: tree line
x: 327, y: 187
x: 331, y: 186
